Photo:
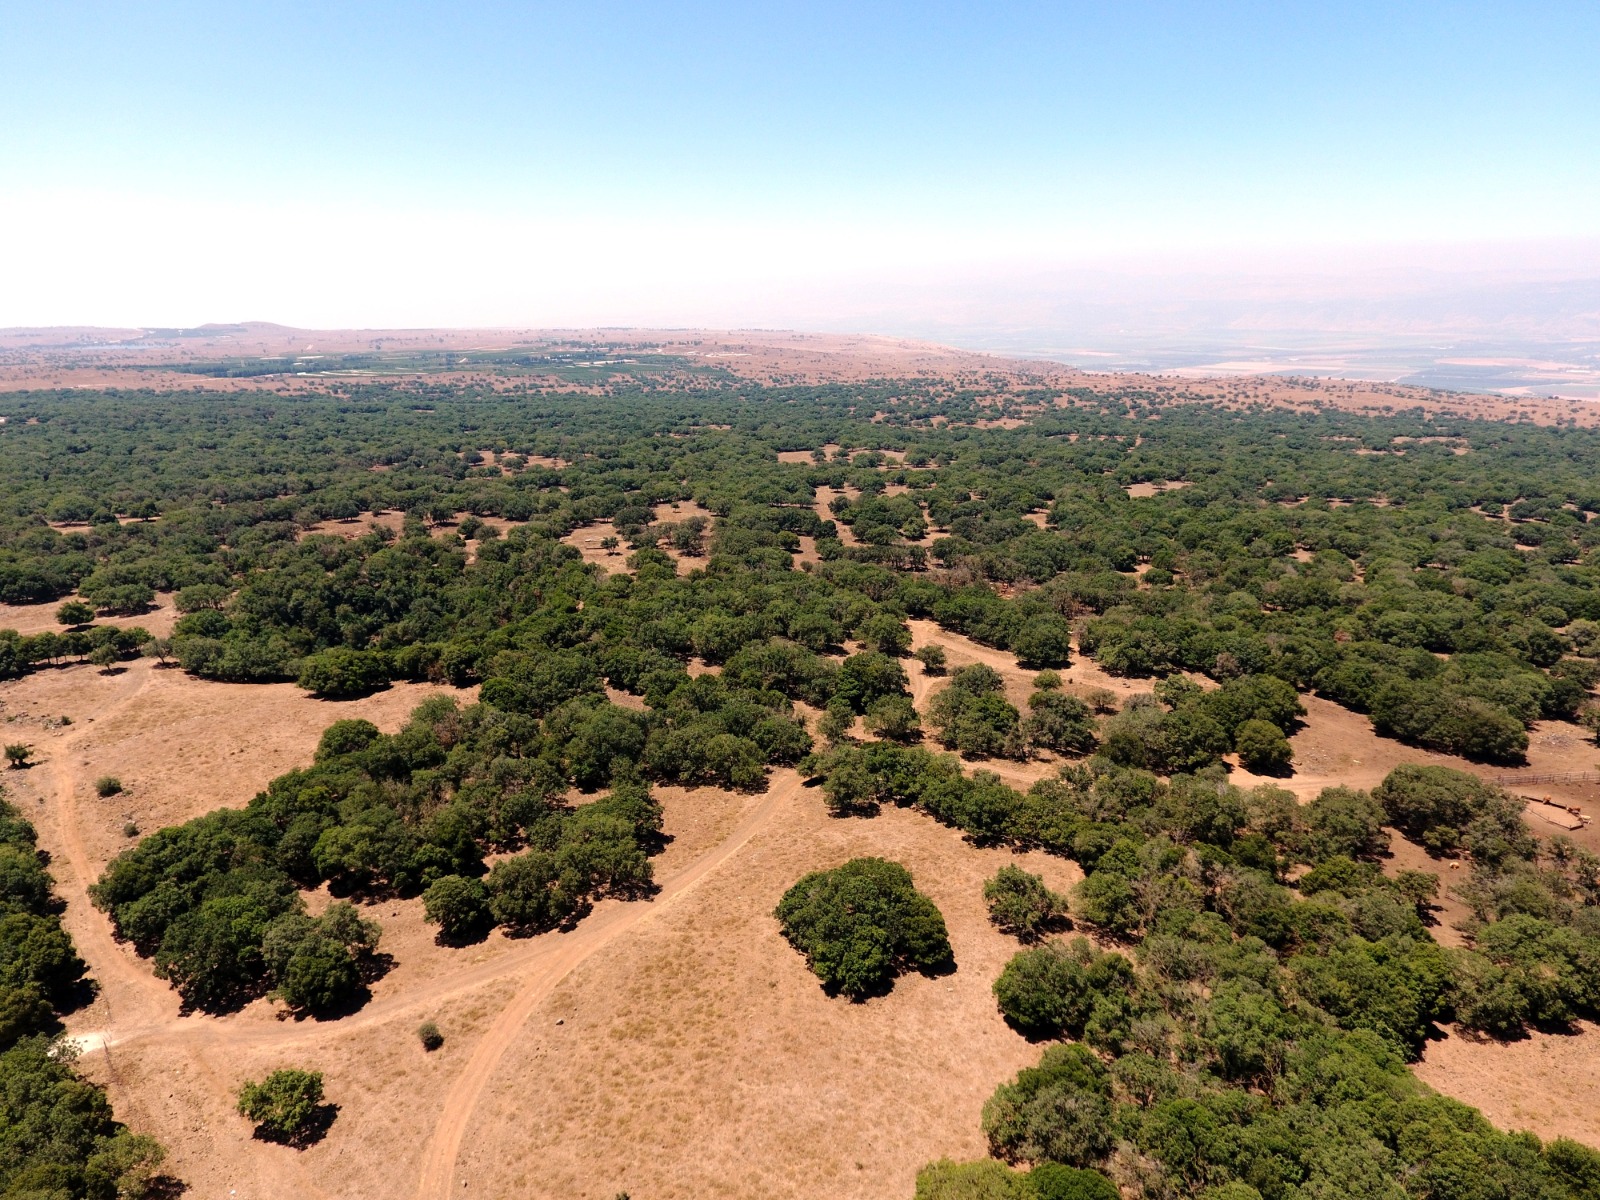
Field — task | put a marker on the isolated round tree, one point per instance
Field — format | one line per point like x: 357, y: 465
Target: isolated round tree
x: 283, y: 1105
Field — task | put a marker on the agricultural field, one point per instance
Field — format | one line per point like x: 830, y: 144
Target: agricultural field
x: 817, y: 769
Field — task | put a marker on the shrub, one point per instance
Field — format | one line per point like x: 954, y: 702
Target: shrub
x: 107, y: 786
x: 972, y: 717
x: 1052, y: 990
x: 985, y: 1179
x: 349, y: 736
x: 130, y: 829
x: 285, y: 1105
x: 1102, y: 700
x: 1343, y: 821
x: 529, y: 891
x: 1021, y: 905
x: 18, y: 754
x: 430, y: 1037
x: 861, y: 924
x: 1421, y: 713
x: 932, y: 658
x: 895, y: 718
x: 1262, y: 748
x: 1052, y: 1181
x: 1164, y: 742
x: 1044, y: 640
x: 868, y: 676
x: 317, y: 961
x: 1047, y: 681
x: 1059, y: 722
x: 885, y: 633
x: 1434, y: 805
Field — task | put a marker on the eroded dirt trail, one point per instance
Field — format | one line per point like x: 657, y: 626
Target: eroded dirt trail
x: 437, y: 1175
x: 136, y: 1024
x: 142, y: 997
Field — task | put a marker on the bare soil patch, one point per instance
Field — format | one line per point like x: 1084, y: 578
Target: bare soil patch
x: 587, y: 542
x: 1547, y: 1083
x: 701, y: 1058
x: 351, y: 528
x: 1137, y: 490
x: 826, y: 496
x: 29, y: 619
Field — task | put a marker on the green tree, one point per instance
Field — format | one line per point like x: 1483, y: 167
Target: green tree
x: 1021, y: 905
x: 286, y: 1106
x: 1052, y: 1181
x: 458, y: 906
x: 985, y: 1179
x: 530, y: 891
x: 1059, y: 722
x: 885, y: 633
x: 862, y: 923
x: 1059, y: 1111
x: 1052, y: 990
x: 895, y: 718
x: 867, y: 677
x: 1435, y: 805
x: 1344, y: 821
x: 342, y: 672
x: 1044, y: 640
x: 1262, y: 748
x: 74, y: 613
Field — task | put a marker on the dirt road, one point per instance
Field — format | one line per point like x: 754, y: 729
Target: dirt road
x: 437, y: 1176
x: 146, y: 1010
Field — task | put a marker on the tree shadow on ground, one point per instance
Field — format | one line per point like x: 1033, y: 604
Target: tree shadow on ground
x: 309, y: 1134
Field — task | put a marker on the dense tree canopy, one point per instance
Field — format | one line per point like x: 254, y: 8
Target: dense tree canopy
x: 1261, y: 981
x: 861, y: 924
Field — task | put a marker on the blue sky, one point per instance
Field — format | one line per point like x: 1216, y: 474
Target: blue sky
x: 705, y: 157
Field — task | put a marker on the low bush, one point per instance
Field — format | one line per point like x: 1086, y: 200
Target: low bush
x: 1021, y: 905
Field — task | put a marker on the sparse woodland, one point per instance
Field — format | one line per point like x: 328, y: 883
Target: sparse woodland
x: 1226, y: 1005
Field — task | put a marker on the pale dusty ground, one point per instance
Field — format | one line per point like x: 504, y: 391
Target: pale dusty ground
x: 587, y: 542
x: 355, y: 527
x: 29, y: 619
x: 1548, y: 1083
x: 826, y: 496
x: 704, y: 1059
x: 587, y: 539
x: 359, y: 526
x: 1137, y: 490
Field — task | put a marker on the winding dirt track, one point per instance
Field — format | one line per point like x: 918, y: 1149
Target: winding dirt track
x: 92, y: 933
x: 437, y: 1174
x: 148, y: 1010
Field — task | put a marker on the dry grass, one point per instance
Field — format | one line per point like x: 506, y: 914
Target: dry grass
x: 694, y: 1055
x: 29, y: 619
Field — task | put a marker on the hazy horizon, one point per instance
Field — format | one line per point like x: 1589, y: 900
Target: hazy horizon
x: 1152, y: 184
